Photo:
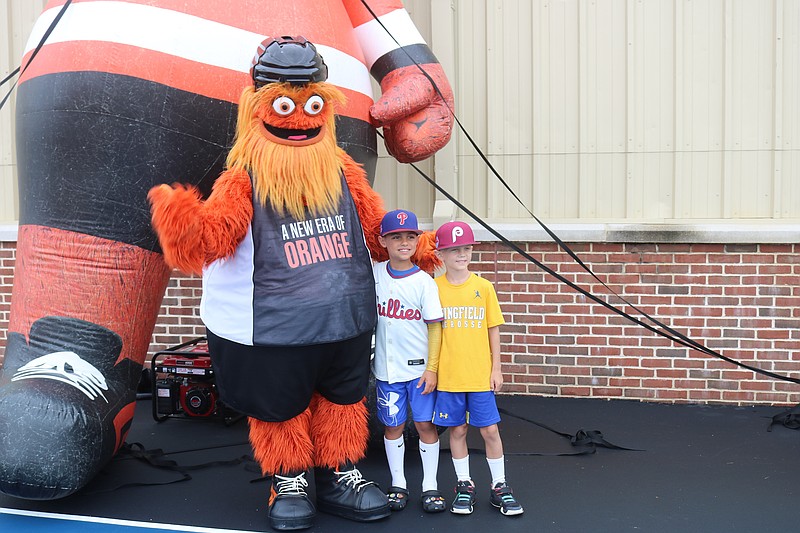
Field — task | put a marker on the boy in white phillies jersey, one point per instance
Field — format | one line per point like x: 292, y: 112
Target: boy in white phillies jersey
x: 469, y: 368
x: 407, y: 341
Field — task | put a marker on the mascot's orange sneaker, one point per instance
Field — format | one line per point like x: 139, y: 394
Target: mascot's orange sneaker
x: 344, y: 492
x: 289, y: 505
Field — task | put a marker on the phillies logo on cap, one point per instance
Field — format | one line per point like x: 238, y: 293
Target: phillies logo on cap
x: 452, y: 234
x: 399, y: 220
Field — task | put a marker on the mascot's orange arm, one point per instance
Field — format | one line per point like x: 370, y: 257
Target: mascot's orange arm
x: 175, y: 219
x: 425, y: 257
x: 370, y: 210
x: 227, y: 214
x: 368, y: 204
x: 193, y: 233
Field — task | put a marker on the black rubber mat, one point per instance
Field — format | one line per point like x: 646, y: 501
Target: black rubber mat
x: 700, y: 468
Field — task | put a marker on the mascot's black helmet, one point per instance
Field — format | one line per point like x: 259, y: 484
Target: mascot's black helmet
x: 287, y: 59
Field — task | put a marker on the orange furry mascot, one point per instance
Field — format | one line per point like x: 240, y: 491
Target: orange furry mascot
x: 288, y: 294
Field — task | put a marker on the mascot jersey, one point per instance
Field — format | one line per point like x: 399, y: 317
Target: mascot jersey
x: 288, y: 273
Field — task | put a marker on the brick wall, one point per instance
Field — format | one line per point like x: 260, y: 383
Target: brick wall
x: 740, y: 300
x: 7, y: 256
x: 179, y: 317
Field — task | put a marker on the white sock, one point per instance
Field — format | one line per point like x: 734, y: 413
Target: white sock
x: 497, y: 467
x: 430, y: 464
x: 462, y: 468
x: 395, y: 455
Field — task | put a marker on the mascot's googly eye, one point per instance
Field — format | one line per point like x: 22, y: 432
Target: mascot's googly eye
x: 283, y: 105
x: 314, y: 105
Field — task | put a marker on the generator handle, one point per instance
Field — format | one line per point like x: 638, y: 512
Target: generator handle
x: 154, y: 388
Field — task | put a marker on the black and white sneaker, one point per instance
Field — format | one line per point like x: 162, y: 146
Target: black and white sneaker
x: 290, y: 507
x: 344, y: 492
x: 465, y: 498
x: 503, y: 498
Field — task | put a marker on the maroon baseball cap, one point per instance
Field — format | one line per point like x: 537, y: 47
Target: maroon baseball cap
x: 399, y: 220
x: 452, y: 234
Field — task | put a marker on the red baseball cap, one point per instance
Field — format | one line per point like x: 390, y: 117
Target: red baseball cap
x: 455, y: 233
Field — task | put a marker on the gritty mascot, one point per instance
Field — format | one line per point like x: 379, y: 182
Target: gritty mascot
x: 283, y: 243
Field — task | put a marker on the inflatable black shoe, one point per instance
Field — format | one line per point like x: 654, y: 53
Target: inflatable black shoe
x: 344, y: 492
x: 65, y: 406
x: 290, y: 507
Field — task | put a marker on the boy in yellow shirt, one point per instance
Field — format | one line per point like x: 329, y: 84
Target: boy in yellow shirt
x: 469, y: 372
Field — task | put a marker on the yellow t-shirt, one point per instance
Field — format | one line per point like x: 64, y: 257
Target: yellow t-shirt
x: 470, y: 309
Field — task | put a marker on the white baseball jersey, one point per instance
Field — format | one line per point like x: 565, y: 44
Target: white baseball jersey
x: 406, y: 305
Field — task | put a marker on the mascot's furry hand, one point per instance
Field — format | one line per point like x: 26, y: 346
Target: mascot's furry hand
x: 425, y: 257
x: 181, y: 236
x: 416, y: 120
x: 194, y: 232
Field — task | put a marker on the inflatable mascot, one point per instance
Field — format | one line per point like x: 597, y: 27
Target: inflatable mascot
x: 123, y: 97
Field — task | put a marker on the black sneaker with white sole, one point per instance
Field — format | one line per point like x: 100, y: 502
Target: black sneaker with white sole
x: 290, y: 508
x: 344, y: 492
x: 503, y: 498
x: 465, y: 498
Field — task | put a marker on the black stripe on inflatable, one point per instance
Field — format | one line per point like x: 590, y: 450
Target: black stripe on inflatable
x: 358, y: 139
x: 90, y: 145
x: 402, y: 57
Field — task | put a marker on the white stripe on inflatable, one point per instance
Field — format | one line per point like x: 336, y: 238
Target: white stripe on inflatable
x: 181, y: 35
x: 375, y: 40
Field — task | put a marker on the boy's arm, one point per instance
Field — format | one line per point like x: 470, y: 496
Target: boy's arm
x: 429, y: 377
x: 497, y: 370
x: 434, y: 345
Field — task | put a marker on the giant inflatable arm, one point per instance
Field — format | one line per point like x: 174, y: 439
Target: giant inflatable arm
x: 123, y: 97
x: 415, y: 109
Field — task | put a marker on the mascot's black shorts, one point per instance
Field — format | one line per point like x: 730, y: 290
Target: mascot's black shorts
x: 275, y: 384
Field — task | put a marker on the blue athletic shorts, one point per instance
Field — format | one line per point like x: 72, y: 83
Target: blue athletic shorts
x: 478, y: 409
x: 395, y: 398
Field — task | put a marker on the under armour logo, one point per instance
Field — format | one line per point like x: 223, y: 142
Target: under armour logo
x: 66, y: 367
x: 444, y: 416
x: 389, y: 402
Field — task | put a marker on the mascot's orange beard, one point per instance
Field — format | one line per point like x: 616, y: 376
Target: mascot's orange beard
x: 291, y: 177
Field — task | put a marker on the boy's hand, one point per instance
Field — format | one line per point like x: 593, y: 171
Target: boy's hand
x: 428, y: 380
x: 496, y: 380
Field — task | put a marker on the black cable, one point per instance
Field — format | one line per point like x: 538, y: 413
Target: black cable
x: 666, y: 331
x: 670, y: 333
x: 33, y: 54
x: 11, y: 75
